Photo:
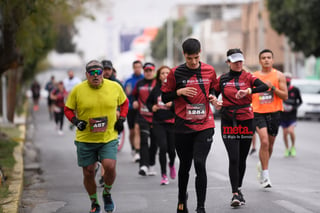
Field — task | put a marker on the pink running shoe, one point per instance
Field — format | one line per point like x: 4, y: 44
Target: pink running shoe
x: 172, y: 172
x: 164, y: 180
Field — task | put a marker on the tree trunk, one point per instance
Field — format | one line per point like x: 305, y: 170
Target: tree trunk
x: 13, y: 81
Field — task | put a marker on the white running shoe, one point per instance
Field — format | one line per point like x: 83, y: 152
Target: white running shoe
x: 259, y: 169
x: 136, y: 157
x: 143, y: 170
x: 266, y: 183
x: 152, y: 171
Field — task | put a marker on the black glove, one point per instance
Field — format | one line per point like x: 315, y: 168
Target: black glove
x: 119, y: 124
x: 80, y: 124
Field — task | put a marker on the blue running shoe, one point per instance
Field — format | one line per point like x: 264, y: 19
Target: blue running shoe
x: 95, y: 208
x: 109, y: 206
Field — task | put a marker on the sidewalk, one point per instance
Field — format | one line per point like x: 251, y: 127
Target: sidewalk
x: 11, y: 204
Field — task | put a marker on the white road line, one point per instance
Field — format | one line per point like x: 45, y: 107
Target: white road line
x: 292, y: 207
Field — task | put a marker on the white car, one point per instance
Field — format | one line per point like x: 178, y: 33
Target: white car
x: 310, y: 94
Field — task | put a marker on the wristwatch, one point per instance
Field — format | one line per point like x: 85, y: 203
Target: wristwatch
x: 273, y: 88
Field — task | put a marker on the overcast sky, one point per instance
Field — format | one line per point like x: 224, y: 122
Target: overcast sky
x: 94, y: 36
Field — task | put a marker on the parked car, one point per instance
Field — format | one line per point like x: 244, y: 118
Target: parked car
x: 310, y: 94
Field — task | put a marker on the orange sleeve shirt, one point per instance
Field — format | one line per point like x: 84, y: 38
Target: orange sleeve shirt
x: 268, y: 101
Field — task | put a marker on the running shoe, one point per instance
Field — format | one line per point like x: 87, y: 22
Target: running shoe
x: 266, y: 183
x: 95, y: 208
x: 293, y: 151
x: 152, y: 171
x: 287, y: 153
x: 235, y: 201
x: 143, y: 170
x: 109, y: 206
x: 164, y: 180
x: 253, y: 150
x: 200, y: 210
x: 259, y: 169
x: 241, y: 197
x: 173, y: 173
x: 136, y: 157
x: 60, y: 132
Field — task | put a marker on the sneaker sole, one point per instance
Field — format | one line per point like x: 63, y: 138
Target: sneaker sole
x: 112, y: 211
x: 235, y: 203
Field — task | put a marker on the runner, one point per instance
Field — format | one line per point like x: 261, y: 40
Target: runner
x: 49, y: 87
x: 289, y: 116
x: 236, y: 88
x: 69, y: 83
x: 140, y: 94
x: 163, y: 126
x: 108, y: 71
x: 189, y: 86
x: 107, y: 74
x: 91, y: 107
x: 134, y: 132
x: 266, y: 108
x: 58, y: 96
x: 35, y: 90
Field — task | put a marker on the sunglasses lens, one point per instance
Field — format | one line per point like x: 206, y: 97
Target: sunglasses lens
x: 92, y: 72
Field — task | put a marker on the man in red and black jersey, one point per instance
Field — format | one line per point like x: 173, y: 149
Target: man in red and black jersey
x: 289, y: 116
x: 189, y: 86
x: 140, y: 94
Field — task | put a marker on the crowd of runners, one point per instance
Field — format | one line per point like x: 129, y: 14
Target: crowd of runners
x: 168, y: 113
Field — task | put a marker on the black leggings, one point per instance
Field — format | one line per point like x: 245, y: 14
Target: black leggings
x: 147, y: 153
x: 164, y: 135
x: 193, y: 146
x: 58, y: 117
x: 237, y: 141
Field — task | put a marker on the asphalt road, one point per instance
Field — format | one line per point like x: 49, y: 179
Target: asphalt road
x: 58, y: 186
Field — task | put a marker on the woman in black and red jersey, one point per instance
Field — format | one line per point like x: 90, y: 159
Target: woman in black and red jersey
x: 140, y: 95
x: 189, y: 86
x: 163, y: 126
x: 237, y: 128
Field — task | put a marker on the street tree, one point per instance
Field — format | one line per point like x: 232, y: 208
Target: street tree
x: 159, y: 45
x: 28, y: 31
x: 299, y: 21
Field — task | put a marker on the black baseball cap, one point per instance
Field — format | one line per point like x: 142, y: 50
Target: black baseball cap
x: 107, y: 64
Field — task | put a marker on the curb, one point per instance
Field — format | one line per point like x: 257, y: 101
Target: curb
x: 11, y: 204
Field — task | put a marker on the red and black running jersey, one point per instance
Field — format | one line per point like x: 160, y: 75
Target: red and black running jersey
x: 192, y: 114
x: 230, y: 83
x: 141, y: 93
x: 291, y: 105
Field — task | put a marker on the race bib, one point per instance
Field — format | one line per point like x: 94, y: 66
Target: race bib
x: 98, y: 124
x: 287, y: 107
x: 144, y: 110
x: 266, y: 97
x: 195, y: 111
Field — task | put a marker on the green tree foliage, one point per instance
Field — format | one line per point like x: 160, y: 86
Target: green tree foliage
x: 159, y: 45
x: 299, y: 21
x: 30, y: 29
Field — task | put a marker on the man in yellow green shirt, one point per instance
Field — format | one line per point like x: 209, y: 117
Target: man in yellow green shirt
x: 91, y: 106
